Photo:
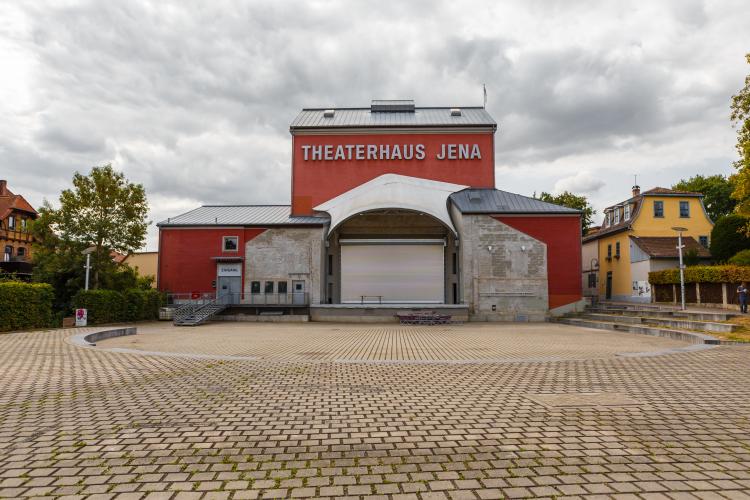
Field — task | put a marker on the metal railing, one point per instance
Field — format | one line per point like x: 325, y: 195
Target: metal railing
x: 260, y: 299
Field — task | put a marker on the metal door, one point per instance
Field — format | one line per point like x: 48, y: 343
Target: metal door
x: 609, y: 285
x: 228, y: 289
x: 298, y: 292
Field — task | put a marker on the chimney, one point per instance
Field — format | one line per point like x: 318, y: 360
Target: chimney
x: 3, y: 187
x: 636, y: 190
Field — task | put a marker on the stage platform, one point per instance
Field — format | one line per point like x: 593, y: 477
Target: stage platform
x: 382, y: 313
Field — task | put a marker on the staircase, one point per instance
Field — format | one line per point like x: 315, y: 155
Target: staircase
x: 662, y: 321
x: 197, y: 314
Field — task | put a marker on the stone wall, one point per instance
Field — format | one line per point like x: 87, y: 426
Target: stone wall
x: 501, y: 267
x: 288, y: 253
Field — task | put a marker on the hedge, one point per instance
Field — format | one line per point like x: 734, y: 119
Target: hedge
x: 25, y: 305
x: 701, y: 274
x: 109, y: 306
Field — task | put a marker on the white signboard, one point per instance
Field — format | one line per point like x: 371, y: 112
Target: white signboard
x: 81, y: 317
x: 229, y: 269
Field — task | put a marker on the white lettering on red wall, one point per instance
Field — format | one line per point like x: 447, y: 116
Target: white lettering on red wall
x: 379, y: 152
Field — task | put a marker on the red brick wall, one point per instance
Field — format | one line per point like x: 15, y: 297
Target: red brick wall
x: 314, y: 182
x: 185, y: 256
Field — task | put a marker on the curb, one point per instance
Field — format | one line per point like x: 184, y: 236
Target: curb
x: 90, y: 339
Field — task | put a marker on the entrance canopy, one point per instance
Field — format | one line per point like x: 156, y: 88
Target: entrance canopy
x: 393, y: 191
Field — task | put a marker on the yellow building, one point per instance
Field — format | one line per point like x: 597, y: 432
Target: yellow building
x: 145, y: 263
x: 637, y: 237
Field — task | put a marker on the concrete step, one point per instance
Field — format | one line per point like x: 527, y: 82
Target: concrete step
x: 670, y: 322
x: 692, y: 337
x: 664, y: 313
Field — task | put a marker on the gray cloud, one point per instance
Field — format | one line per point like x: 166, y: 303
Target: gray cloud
x: 194, y: 100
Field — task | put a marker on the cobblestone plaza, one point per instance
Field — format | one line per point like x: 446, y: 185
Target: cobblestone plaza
x: 377, y: 411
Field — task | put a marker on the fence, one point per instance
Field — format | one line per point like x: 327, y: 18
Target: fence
x: 256, y: 299
x: 707, y: 294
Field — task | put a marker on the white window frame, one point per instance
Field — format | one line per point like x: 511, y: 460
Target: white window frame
x: 224, y: 243
x: 626, y: 211
x: 11, y: 222
x: 617, y: 216
x: 606, y: 219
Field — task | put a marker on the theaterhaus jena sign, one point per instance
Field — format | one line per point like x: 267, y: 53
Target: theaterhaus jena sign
x: 358, y: 152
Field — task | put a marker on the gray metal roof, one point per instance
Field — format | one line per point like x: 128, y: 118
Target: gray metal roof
x: 241, y: 215
x: 364, y: 117
x: 494, y: 201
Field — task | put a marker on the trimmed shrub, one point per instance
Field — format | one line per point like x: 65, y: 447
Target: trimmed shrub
x: 104, y: 306
x: 25, y: 305
x: 741, y: 258
x: 729, y: 237
x: 701, y: 274
x: 109, y: 306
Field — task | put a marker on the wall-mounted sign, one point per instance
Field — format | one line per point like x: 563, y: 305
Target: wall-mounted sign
x: 229, y: 269
x: 373, y: 152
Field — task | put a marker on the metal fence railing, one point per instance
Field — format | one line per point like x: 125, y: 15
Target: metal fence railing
x: 260, y: 299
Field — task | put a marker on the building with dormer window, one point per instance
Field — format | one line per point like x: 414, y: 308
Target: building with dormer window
x: 16, y: 215
x: 637, y: 238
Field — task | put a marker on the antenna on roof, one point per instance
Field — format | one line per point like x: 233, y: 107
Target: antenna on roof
x: 484, y: 91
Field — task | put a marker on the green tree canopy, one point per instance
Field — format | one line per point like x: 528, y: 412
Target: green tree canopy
x: 102, y: 210
x: 740, y: 117
x: 570, y: 200
x: 717, y: 193
x: 729, y: 237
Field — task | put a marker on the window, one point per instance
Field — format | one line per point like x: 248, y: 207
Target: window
x: 20, y: 251
x: 684, y: 209
x: 617, y: 250
x: 8, y: 253
x: 255, y: 287
x: 11, y: 222
x: 24, y: 223
x: 330, y: 266
x: 269, y: 287
x: 703, y: 240
x: 606, y: 219
x: 230, y: 243
x: 455, y: 263
x: 658, y: 209
x: 627, y: 212
x: 609, y: 251
x: 617, y: 215
x: 282, y: 287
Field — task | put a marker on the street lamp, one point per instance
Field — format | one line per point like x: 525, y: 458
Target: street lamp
x: 88, y: 253
x: 680, y: 246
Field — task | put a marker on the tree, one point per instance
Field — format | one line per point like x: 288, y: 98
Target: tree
x: 570, y: 200
x: 717, y: 193
x: 105, y: 211
x: 729, y: 237
x: 740, y: 118
x: 741, y: 258
x: 102, y: 210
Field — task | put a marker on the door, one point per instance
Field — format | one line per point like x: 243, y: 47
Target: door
x: 228, y: 289
x: 298, y: 292
x: 609, y: 285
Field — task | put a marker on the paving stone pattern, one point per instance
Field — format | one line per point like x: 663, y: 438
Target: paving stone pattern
x: 87, y: 422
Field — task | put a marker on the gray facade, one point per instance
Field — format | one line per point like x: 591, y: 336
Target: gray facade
x: 503, y: 271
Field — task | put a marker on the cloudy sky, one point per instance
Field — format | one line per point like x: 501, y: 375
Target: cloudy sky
x: 194, y: 99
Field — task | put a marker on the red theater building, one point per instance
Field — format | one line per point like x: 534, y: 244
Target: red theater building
x: 394, y: 208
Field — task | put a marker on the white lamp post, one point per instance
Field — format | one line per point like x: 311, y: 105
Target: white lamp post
x: 88, y: 253
x: 680, y: 246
